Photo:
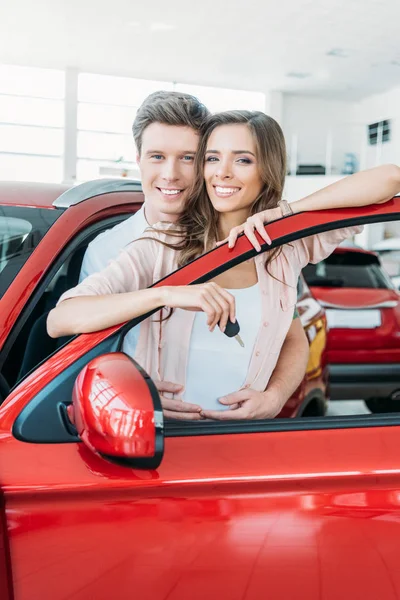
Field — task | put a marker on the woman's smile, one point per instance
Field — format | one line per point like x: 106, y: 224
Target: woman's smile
x: 224, y: 191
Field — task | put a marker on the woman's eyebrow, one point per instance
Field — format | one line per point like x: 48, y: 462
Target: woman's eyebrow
x: 233, y: 152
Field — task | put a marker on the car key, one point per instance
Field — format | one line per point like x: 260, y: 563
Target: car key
x: 232, y: 330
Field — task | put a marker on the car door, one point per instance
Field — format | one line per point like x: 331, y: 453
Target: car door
x: 282, y: 509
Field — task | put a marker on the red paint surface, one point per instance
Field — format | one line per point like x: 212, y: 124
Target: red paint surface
x: 113, y: 408
x: 292, y: 515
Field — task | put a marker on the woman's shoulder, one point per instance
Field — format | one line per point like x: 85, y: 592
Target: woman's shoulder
x: 158, y: 239
x: 163, y: 230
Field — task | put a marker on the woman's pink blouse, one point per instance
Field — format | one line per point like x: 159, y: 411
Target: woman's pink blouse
x: 163, y: 348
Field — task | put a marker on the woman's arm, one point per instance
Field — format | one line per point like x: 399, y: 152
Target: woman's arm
x: 84, y: 314
x: 374, y: 186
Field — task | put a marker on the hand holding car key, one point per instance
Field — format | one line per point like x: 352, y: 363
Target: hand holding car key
x: 232, y: 330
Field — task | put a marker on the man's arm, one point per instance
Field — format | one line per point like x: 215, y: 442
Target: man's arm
x: 291, y: 366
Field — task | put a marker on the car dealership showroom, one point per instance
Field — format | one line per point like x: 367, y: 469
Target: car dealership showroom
x: 200, y: 191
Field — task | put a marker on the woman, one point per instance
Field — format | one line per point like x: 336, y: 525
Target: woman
x: 240, y: 173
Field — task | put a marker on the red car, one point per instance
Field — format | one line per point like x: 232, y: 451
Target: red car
x: 363, y: 311
x: 100, y: 498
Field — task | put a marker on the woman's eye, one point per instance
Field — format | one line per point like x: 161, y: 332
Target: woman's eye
x: 211, y: 159
x: 245, y: 161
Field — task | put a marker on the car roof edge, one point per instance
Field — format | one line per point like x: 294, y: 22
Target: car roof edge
x: 89, y: 189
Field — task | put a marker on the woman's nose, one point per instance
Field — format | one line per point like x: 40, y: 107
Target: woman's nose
x: 224, y: 170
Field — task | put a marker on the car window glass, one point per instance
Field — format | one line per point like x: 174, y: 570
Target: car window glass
x: 21, y: 230
x: 353, y: 362
x: 32, y: 344
x: 348, y: 269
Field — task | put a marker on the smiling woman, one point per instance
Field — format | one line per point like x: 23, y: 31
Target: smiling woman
x: 240, y: 169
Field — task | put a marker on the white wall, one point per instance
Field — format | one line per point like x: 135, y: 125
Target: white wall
x: 313, y: 120
x: 378, y: 108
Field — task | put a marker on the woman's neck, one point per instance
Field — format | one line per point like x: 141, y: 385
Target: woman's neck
x: 227, y: 221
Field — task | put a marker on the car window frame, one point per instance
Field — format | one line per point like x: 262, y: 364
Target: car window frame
x: 316, y: 222
x: 94, y: 228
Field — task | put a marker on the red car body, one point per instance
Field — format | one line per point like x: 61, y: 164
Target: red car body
x: 363, y: 356
x: 286, y: 508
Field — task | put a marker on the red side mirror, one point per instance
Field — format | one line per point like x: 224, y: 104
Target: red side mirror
x: 117, y: 411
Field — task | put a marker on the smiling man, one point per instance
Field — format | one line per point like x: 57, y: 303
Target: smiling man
x: 166, y: 133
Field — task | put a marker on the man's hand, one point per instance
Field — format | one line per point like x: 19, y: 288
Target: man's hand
x: 251, y: 405
x: 176, y: 408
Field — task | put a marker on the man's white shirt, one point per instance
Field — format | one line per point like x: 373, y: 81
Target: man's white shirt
x: 106, y: 247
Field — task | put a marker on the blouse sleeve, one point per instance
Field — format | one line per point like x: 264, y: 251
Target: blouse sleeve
x: 132, y: 270
x: 315, y: 248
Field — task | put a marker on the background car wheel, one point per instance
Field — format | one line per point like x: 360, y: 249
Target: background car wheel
x: 382, y: 405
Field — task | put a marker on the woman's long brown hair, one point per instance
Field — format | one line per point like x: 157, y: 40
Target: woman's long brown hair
x: 197, y: 226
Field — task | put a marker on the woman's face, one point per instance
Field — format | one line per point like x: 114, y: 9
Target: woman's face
x: 231, y: 169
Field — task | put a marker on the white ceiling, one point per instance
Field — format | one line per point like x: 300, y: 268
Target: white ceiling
x: 242, y: 44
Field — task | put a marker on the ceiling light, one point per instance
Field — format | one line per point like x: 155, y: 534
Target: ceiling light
x: 338, y: 53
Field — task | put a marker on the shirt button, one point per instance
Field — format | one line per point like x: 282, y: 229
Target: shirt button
x: 258, y: 353
x: 264, y: 293
x: 247, y: 385
x: 265, y: 324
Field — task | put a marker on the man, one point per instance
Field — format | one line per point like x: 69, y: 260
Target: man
x: 166, y: 133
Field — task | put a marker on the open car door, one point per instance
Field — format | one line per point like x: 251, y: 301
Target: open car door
x: 288, y: 508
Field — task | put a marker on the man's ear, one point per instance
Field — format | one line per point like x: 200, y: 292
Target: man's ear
x: 138, y: 158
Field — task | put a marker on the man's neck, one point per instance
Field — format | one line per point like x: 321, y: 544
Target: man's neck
x: 153, y: 216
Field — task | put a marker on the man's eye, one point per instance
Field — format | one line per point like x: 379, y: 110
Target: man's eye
x: 188, y: 158
x: 156, y: 156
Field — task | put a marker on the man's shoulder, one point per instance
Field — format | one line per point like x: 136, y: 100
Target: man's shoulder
x: 122, y: 233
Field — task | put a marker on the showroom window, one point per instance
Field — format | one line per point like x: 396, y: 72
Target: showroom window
x: 106, y: 109
x: 107, y: 106
x: 31, y: 123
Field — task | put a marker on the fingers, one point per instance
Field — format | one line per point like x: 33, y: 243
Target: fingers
x: 182, y: 416
x: 233, y: 235
x: 219, y: 306
x: 235, y: 397
x: 224, y: 415
x: 259, y: 225
x: 249, y: 233
x: 168, y: 386
x: 253, y: 224
x: 179, y: 406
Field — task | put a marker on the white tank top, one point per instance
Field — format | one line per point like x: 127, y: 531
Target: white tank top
x: 217, y: 364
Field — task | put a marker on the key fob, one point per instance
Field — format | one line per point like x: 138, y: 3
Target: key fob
x: 232, y: 329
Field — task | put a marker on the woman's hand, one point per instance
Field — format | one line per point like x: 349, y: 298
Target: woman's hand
x: 251, y: 405
x: 176, y: 408
x: 211, y: 298
x: 254, y: 223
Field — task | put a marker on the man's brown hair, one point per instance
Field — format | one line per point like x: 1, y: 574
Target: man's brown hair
x: 169, y: 108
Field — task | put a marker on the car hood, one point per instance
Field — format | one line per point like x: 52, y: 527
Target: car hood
x: 353, y: 297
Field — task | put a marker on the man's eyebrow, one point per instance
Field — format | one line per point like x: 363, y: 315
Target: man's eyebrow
x: 233, y: 152
x: 163, y: 152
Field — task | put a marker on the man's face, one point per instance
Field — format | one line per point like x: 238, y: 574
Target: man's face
x: 166, y: 163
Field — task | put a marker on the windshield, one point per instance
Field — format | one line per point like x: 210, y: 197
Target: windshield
x: 348, y: 269
x: 21, y: 229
